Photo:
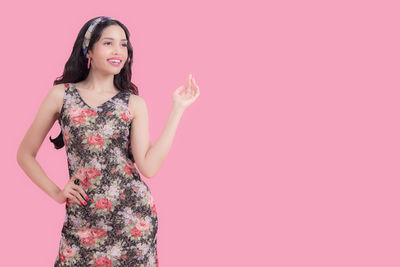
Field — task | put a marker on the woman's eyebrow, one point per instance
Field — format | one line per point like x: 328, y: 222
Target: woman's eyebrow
x: 113, y: 38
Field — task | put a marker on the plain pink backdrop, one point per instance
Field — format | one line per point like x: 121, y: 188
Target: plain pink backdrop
x: 289, y: 157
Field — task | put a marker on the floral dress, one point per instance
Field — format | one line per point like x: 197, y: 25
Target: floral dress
x: 118, y: 226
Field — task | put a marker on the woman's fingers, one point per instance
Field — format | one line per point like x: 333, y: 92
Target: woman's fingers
x: 76, y: 195
x: 195, y: 88
x: 73, y: 198
x: 194, y: 82
x: 78, y: 198
x: 189, y: 80
x: 189, y: 85
x: 83, y: 193
x: 179, y: 89
x: 74, y: 192
x: 197, y: 93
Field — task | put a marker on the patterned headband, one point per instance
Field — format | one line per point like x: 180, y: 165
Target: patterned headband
x: 89, y: 31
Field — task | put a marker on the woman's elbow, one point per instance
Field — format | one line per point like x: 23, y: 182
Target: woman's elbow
x: 146, y: 172
x: 22, y: 155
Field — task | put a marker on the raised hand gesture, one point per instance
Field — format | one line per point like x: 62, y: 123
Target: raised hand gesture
x: 183, y: 97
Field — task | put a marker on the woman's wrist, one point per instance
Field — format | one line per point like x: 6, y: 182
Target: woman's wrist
x: 177, y: 108
x: 59, y: 197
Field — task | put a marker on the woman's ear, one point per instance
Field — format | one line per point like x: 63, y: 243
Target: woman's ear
x: 89, y: 54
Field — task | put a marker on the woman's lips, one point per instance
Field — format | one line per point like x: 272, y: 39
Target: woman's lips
x: 115, y: 64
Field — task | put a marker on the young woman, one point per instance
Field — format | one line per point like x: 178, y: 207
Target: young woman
x: 111, y: 219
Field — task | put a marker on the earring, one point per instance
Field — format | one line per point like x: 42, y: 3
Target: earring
x: 88, y: 65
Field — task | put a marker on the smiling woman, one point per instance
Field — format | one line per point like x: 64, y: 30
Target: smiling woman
x: 111, y: 217
x: 87, y: 42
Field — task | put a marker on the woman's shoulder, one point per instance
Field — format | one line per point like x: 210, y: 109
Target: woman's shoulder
x: 136, y: 100
x: 60, y: 88
x: 133, y: 97
x: 56, y: 94
x: 136, y: 103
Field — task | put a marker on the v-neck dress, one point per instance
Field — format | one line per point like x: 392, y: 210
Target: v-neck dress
x: 118, y: 226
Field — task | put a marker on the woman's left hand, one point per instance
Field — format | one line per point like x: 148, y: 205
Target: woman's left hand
x: 188, y: 96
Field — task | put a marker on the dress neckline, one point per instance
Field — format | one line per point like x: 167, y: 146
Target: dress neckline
x: 86, y: 104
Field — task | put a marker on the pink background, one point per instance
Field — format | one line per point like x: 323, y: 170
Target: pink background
x: 289, y: 157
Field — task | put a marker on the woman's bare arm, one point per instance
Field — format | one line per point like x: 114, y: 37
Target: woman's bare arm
x: 26, y: 155
x: 148, y: 157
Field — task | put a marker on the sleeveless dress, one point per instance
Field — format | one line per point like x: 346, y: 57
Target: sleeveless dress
x: 118, y: 226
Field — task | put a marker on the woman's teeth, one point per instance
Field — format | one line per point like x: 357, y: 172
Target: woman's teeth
x: 115, y: 62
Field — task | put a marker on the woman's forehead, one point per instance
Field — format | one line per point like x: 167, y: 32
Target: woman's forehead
x: 114, y: 32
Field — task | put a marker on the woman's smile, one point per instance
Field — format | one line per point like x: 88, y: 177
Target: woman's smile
x: 115, y: 63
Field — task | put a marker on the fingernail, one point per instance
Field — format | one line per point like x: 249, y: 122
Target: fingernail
x: 87, y: 197
x: 85, y: 203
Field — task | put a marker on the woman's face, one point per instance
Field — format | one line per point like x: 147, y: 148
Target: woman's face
x: 111, y: 45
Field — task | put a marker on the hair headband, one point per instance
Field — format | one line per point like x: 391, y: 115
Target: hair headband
x: 89, y: 31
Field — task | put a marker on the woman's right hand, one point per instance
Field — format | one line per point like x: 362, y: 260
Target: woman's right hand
x: 73, y: 193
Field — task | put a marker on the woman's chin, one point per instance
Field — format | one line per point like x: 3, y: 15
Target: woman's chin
x: 114, y: 71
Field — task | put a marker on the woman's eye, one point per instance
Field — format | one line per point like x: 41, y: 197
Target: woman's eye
x: 125, y: 45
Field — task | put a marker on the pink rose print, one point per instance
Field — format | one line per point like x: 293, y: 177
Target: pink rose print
x: 96, y: 140
x: 69, y: 252
x: 81, y: 174
x: 77, y: 120
x: 125, y: 117
x: 88, y: 241
x: 76, y: 115
x: 66, y: 137
x: 103, y: 261
x: 88, y: 112
x: 76, y: 112
x: 88, y: 235
x: 103, y: 203
x: 129, y: 168
x: 151, y: 200
x: 86, y: 185
x: 142, y: 225
x: 85, y: 232
x: 62, y: 258
x: 92, y: 173
x: 135, y: 232
x: 98, y: 233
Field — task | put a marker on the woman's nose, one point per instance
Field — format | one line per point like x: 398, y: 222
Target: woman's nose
x: 117, y: 49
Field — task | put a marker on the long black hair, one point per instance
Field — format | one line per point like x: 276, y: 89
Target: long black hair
x: 76, y: 70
